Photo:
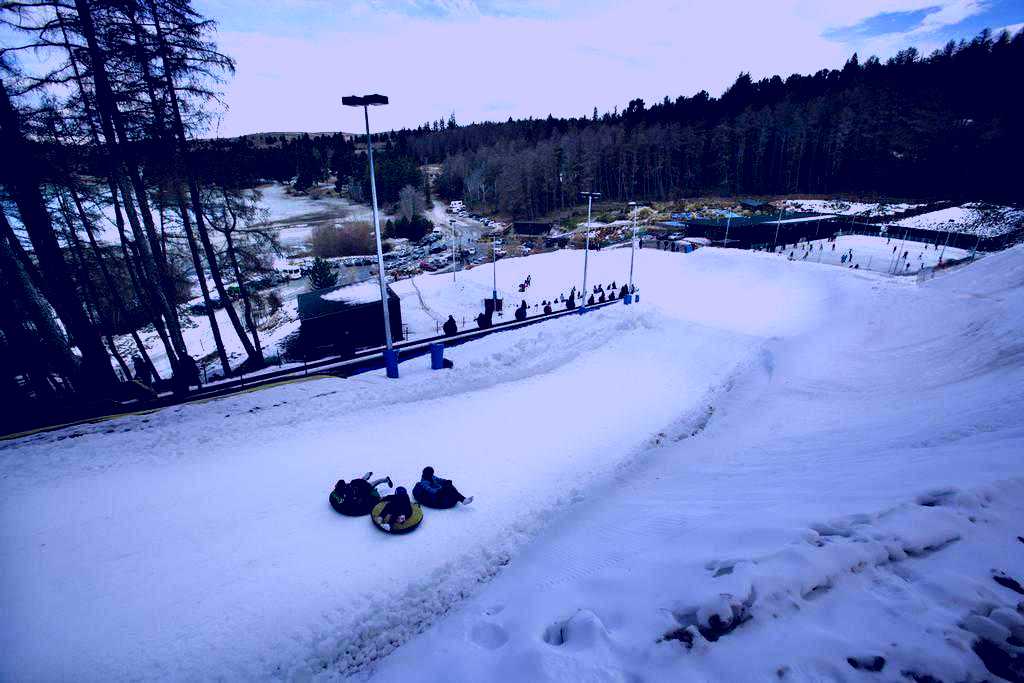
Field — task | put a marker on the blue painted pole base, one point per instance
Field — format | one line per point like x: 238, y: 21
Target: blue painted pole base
x: 582, y: 309
x: 628, y: 299
x: 391, y: 363
x: 437, y: 356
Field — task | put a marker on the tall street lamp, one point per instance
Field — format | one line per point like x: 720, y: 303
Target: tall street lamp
x: 632, y: 253
x: 367, y: 101
x: 451, y: 224
x: 777, y: 224
x: 586, y: 247
x: 494, y: 271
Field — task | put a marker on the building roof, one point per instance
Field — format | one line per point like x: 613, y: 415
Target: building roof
x: 340, y: 298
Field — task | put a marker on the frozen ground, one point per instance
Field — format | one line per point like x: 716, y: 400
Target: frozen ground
x: 834, y: 454
x: 973, y: 219
x: 873, y: 253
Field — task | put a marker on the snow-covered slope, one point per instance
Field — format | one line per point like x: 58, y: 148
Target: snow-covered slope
x: 771, y: 422
x: 852, y: 497
x: 973, y: 219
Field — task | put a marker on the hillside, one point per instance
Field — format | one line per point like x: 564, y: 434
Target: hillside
x: 749, y: 429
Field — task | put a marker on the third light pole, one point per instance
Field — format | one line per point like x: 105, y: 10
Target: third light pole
x: 586, y: 246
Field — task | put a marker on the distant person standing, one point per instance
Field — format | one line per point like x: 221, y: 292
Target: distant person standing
x: 142, y: 371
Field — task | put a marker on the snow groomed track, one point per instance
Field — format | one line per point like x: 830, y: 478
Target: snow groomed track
x: 620, y: 460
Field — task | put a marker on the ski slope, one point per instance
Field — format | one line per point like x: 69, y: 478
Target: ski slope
x: 748, y: 409
x: 880, y: 254
x: 852, y: 497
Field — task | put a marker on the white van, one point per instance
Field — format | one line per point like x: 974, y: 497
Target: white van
x: 456, y: 205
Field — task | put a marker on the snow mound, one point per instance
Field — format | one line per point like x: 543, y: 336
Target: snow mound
x: 972, y: 219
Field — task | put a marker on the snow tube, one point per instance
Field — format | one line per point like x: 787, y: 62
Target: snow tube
x: 423, y: 497
x: 409, y: 525
x: 352, y: 508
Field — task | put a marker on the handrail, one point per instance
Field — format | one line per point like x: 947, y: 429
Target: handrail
x: 366, y: 360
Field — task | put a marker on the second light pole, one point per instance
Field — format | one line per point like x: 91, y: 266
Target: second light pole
x: 586, y: 246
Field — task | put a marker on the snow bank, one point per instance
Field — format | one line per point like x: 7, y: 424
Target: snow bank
x: 845, y: 208
x: 972, y: 219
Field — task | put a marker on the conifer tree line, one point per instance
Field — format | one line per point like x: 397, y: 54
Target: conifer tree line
x: 942, y: 126
x: 99, y: 100
x: 945, y: 126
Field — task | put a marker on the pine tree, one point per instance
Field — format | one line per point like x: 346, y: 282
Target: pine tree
x: 322, y: 274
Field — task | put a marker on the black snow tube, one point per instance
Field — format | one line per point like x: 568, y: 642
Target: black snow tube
x: 352, y: 508
x: 408, y: 525
x: 431, y: 501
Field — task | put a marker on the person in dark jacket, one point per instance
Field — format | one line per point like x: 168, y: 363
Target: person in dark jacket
x: 191, y: 370
x: 358, y: 491
x: 142, y: 371
x: 521, y: 311
x: 601, y: 299
x: 483, y: 321
x: 547, y: 308
x: 590, y: 301
x: 570, y: 303
x: 624, y: 291
x: 440, y: 492
x: 397, y: 508
x: 449, y: 327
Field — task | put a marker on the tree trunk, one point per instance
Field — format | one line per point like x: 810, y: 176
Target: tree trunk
x: 20, y: 287
x: 23, y: 185
x: 197, y: 263
x: 242, y: 289
x: 108, y: 278
x: 193, y: 190
x: 153, y: 279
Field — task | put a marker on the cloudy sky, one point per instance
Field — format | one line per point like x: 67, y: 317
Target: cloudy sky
x: 491, y: 59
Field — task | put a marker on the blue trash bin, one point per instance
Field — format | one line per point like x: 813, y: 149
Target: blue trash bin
x: 437, y: 356
x: 391, y: 363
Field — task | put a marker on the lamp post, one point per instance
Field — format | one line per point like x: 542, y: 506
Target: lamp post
x: 586, y: 247
x: 728, y: 222
x: 632, y: 254
x: 777, y: 224
x: 367, y: 101
x: 494, y: 270
x: 451, y: 224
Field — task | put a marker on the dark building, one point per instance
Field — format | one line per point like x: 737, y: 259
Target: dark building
x: 345, y: 319
x: 756, y: 205
x: 531, y: 228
